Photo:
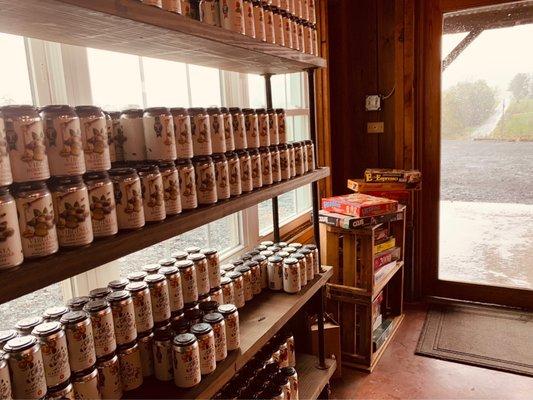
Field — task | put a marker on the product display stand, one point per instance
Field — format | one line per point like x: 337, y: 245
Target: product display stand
x: 132, y: 27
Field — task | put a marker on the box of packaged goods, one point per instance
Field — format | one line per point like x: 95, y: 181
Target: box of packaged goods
x: 361, y: 186
x: 348, y: 222
x: 359, y: 205
x: 386, y: 257
x: 380, y: 175
x: 401, y: 196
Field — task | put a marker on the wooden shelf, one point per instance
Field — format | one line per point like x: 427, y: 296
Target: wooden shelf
x: 129, y: 26
x: 260, y: 319
x: 311, y: 380
x: 39, y: 273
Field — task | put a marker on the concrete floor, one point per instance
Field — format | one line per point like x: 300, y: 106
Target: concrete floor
x: 403, y: 375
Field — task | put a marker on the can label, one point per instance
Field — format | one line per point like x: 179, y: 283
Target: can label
x: 64, y: 146
x: 257, y: 176
x: 142, y: 305
x: 160, y: 302
x: 246, y: 174
x: 227, y: 294
x: 27, y: 151
x: 202, y: 277
x: 249, y: 23
x: 275, y: 276
x: 276, y: 168
x: 206, y: 344
x: 129, y: 203
x: 109, y: 382
x: 205, y: 183
x: 182, y: 130
x: 37, y: 226
x: 5, y: 383
x: 228, y: 132
x: 232, y: 17
x: 283, y: 355
x: 175, y: 292
x: 131, y: 138
x: 247, y: 285
x: 217, y: 296
x: 222, y: 178
x: 130, y: 370
x: 234, y: 167
x: 187, y: 366
x: 55, y: 360
x: 189, y: 200
x: 201, y: 135
x: 238, y: 292
x: 291, y: 351
x: 218, y: 140
x: 233, y: 337
x: 291, y: 278
x: 303, y: 273
x: 188, y: 281
x: 6, y: 178
x: 147, y: 356
x: 110, y: 140
x: 10, y: 241
x: 264, y: 130
x: 239, y: 133
x: 270, y: 30
x: 87, y: 389
x: 104, y: 333
x: 124, y: 323
x: 81, y: 350
x: 159, y: 137
x: 153, y: 197
x: 172, y: 5
x: 28, y: 376
x: 221, y: 350
x: 252, y: 130
x: 259, y: 22
x: 163, y: 368
x: 256, y: 280
x: 103, y: 210
x: 95, y: 145
x: 118, y: 138
x: 171, y: 192
x: 266, y: 170
x: 213, y: 271
x: 73, y: 218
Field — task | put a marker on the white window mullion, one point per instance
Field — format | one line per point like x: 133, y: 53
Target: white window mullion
x: 76, y: 75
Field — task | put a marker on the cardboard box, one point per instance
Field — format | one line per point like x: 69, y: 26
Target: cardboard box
x: 332, y: 338
x: 359, y: 205
x: 381, y: 175
x: 360, y: 186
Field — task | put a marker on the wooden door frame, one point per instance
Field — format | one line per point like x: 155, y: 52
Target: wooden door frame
x: 429, y: 22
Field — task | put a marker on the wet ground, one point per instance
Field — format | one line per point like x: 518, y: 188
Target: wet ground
x: 487, y: 213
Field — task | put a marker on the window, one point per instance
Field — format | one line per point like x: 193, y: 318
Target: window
x: 14, y: 76
x: 289, y: 92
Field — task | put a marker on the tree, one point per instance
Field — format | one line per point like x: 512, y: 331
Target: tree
x: 520, y: 86
x: 466, y: 106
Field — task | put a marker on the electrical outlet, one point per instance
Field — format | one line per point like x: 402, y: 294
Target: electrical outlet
x: 373, y: 103
x: 375, y: 127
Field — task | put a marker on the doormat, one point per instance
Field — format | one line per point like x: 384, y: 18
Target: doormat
x: 478, y: 335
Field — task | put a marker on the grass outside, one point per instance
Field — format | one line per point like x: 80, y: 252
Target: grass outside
x: 517, y: 123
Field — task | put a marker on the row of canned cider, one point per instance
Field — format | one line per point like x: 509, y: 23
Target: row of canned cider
x: 289, y: 23
x: 59, y: 140
x: 107, y: 342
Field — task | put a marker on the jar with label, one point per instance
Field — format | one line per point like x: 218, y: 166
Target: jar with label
x: 309, y: 266
x: 64, y: 392
x: 103, y: 329
x: 186, y: 356
x: 299, y: 158
x: 54, y: 313
x: 6, y: 178
x: 238, y: 288
x: 252, y: 128
x: 210, y: 12
x: 109, y: 382
x: 216, y: 320
x: 85, y: 384
x: 275, y: 163
x: 159, y: 296
x: 275, y: 273
x: 117, y: 137
x: 153, y: 197
x: 246, y: 171
x: 36, y: 219
x: 162, y: 351
x: 305, y: 157
x: 316, y: 260
x: 231, y: 15
x: 80, y: 340
x: 231, y: 318
x: 227, y: 290
x: 171, y: 5
x: 188, y: 281
x: 213, y: 265
x: 11, y: 253
x: 102, y: 204
x: 172, y: 275
x: 256, y: 276
x: 310, y: 151
x: 303, y: 268
x: 247, y: 282
x: 146, y: 345
x: 54, y: 350
x: 294, y: 28
x: 259, y: 20
x: 228, y: 128
x: 128, y: 198
x: 270, y: 29
x: 282, y: 130
x: 94, y: 138
x: 301, y: 34
x: 216, y: 295
x: 287, y: 30
x: 262, y: 262
x: 291, y: 275
x: 249, y: 21
x: 218, y: 138
x: 257, y: 175
x: 142, y: 305
x: 77, y: 303
x: 171, y: 188
x: 312, y: 11
x: 266, y: 166
x: 189, y: 199
x: 314, y: 33
x: 131, y: 135
x: 239, y: 128
x: 72, y: 211
x: 131, y: 375
x: 25, y: 143
x: 25, y: 362
x: 264, y: 127
x: 206, y: 190
x: 290, y: 373
x: 273, y: 126
x: 123, y: 317
x: 206, y: 343
x: 222, y: 176
x: 182, y: 132
x: 283, y: 352
x: 292, y: 159
x: 234, y: 168
x: 278, y: 25
x: 159, y: 136
x: 308, y: 38
x: 201, y: 132
x: 202, y: 273
x: 63, y: 140
x: 284, y: 162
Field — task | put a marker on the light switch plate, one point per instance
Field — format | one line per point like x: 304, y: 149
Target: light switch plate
x: 375, y: 127
x: 373, y: 103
